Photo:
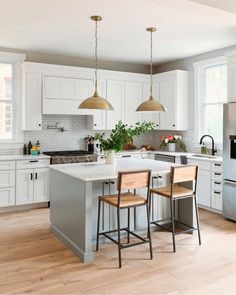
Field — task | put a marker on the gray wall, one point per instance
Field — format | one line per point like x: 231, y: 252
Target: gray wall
x: 80, y: 62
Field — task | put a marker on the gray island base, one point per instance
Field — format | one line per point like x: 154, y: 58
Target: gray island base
x: 74, y: 191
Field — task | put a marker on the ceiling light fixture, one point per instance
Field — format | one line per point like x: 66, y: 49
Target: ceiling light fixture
x: 151, y: 105
x: 96, y: 102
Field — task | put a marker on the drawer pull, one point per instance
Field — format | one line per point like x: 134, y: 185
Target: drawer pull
x: 126, y: 156
x: 218, y: 193
x: 112, y: 182
x: 33, y: 161
x: 217, y: 182
x: 217, y: 165
x: 36, y: 176
x: 31, y: 176
x: 218, y: 174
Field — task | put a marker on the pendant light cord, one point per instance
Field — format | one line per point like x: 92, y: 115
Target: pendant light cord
x: 151, y: 68
x: 96, y: 55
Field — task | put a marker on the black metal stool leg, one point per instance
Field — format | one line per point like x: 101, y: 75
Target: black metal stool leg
x: 149, y: 231
x: 128, y: 235
x: 98, y: 224
x: 118, y: 227
x: 197, y: 217
x: 173, y: 224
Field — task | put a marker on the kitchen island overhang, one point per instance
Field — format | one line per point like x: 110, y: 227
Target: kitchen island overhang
x: 74, y: 189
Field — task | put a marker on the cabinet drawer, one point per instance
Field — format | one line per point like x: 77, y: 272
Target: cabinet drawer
x: 201, y: 164
x: 7, y: 196
x: 217, y: 167
x: 7, y: 178
x: 129, y: 156
x: 217, y: 185
x: 32, y: 163
x: 7, y: 165
x: 217, y: 176
x: 216, y: 200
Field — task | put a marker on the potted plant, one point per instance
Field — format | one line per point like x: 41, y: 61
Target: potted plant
x: 171, y: 141
x: 121, y: 135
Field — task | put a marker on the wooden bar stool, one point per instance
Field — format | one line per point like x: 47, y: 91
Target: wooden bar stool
x: 125, y: 200
x: 175, y: 192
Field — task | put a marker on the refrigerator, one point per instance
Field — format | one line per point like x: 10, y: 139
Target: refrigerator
x: 229, y: 161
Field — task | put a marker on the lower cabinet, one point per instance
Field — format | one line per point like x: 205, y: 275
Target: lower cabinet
x: 32, y: 186
x: 7, y: 196
x: 204, y: 188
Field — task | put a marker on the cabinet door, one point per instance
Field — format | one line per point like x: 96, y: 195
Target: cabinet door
x: 151, y: 116
x: 204, y: 188
x: 7, y: 196
x: 133, y: 98
x: 41, y: 185
x: 115, y: 95
x: 167, y: 98
x: 32, y: 102
x: 7, y: 178
x: 24, y: 186
x: 99, y: 121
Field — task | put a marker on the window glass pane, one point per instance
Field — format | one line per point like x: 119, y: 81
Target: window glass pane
x: 5, y: 81
x: 216, y: 83
x: 5, y: 120
x: 214, y: 121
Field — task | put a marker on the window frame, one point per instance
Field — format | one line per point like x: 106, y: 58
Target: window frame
x: 15, y: 59
x: 199, y: 95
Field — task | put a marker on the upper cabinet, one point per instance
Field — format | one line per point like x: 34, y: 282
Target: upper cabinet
x: 63, y: 95
x: 31, y: 100
x: 173, y: 94
x: 151, y: 116
x: 231, y: 76
x: 54, y: 89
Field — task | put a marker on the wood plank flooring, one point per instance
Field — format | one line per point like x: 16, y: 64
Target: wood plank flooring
x: 34, y: 261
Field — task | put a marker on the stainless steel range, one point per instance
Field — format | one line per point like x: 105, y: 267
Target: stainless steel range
x: 66, y: 157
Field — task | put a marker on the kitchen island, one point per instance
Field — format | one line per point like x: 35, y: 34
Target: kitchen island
x: 74, y: 189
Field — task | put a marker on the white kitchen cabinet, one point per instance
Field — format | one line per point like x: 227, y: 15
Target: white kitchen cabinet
x: 115, y: 95
x: 151, y: 116
x: 204, y: 188
x: 41, y: 185
x: 7, y: 183
x: 173, y: 94
x: 31, y: 101
x: 63, y: 95
x: 24, y: 186
x: 32, y: 186
x: 133, y: 98
x: 97, y: 120
x: 7, y: 196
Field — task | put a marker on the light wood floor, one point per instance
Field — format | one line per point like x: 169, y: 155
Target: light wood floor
x: 33, y: 261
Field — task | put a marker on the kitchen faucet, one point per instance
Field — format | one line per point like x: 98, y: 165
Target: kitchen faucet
x: 212, y: 143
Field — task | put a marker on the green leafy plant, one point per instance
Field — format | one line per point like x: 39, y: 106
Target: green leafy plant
x: 172, y: 139
x: 122, y: 134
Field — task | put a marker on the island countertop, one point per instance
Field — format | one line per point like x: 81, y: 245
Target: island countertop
x: 95, y: 171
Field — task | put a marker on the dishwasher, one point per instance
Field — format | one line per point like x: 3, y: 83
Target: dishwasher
x: 164, y: 158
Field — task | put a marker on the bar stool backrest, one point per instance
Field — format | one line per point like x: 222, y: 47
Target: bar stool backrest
x: 133, y: 180
x: 183, y: 174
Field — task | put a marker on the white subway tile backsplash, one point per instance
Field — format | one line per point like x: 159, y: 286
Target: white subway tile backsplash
x: 76, y: 130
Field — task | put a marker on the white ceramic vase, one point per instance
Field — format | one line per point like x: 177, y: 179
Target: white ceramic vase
x: 110, y: 157
x: 172, y: 147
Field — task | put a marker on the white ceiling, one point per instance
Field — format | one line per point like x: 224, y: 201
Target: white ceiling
x: 227, y: 5
x: 63, y: 27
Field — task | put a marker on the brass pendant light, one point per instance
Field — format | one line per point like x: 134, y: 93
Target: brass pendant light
x: 151, y: 105
x: 96, y: 102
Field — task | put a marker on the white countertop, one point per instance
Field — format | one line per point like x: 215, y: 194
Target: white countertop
x: 96, y: 171
x: 22, y: 157
x: 207, y: 158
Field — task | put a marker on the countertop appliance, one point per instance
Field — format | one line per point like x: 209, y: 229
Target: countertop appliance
x: 229, y: 161
x: 66, y: 157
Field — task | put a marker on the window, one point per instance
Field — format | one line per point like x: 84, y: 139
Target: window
x: 6, y: 101
x: 211, y: 95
